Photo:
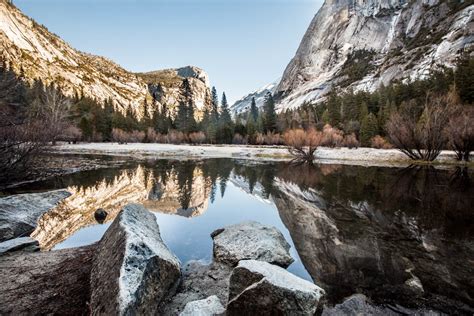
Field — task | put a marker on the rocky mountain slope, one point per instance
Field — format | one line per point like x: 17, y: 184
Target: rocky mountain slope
x: 366, y: 43
x: 34, y: 53
x: 243, y: 105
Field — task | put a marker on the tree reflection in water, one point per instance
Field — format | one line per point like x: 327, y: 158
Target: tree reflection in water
x: 374, y: 230
x: 367, y: 230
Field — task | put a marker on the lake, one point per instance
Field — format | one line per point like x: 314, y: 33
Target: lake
x: 401, y: 236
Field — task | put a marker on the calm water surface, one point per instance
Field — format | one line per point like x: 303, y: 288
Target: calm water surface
x: 351, y: 229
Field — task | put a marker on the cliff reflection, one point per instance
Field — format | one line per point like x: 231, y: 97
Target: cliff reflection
x: 399, y: 236
x: 393, y: 235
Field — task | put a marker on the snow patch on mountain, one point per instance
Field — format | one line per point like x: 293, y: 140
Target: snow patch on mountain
x: 243, y: 105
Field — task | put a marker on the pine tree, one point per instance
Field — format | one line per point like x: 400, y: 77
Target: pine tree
x: 254, y: 110
x: 368, y: 129
x: 226, y: 128
x: 182, y: 116
x: 464, y: 79
x: 269, y: 122
x: 251, y: 128
x: 214, y: 105
x: 334, y: 110
x: 86, y: 127
x: 191, y: 125
x: 225, y: 117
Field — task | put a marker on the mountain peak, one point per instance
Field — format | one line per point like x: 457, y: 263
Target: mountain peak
x: 33, y: 52
x: 363, y: 44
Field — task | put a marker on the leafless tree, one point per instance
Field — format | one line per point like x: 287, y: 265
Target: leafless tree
x: 52, y: 108
x: 302, y: 144
x: 460, y: 131
x: 20, y: 142
x: 420, y: 137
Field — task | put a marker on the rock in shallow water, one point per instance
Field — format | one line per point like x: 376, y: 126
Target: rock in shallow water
x: 19, y: 213
x: 23, y: 243
x: 100, y: 215
x: 133, y: 271
x: 207, y: 307
x: 257, y: 287
x: 251, y: 241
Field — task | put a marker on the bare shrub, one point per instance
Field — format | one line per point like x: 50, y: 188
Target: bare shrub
x: 71, y: 134
x: 197, y: 138
x: 136, y: 137
x: 272, y: 138
x: 350, y: 141
x: 119, y: 136
x: 420, y: 137
x: 380, y: 143
x: 332, y: 137
x: 175, y: 137
x: 259, y: 139
x: 302, y: 144
x: 20, y: 142
x: 152, y: 136
x: 460, y: 131
x: 239, y: 140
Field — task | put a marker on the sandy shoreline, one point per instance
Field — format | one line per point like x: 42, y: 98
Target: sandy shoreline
x: 359, y: 156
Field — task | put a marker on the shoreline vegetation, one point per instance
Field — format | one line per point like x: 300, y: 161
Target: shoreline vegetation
x: 342, y: 155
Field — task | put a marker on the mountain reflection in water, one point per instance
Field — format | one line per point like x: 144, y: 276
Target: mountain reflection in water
x: 399, y: 236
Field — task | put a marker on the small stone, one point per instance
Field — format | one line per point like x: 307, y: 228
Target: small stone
x: 206, y: 307
x: 251, y: 241
x: 100, y: 215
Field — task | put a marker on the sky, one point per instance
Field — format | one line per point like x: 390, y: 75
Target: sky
x: 242, y: 44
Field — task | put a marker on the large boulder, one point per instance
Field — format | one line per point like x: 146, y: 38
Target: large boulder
x: 46, y: 283
x: 19, y: 214
x: 133, y: 271
x: 251, y: 241
x: 207, y: 307
x: 23, y: 243
x: 359, y: 304
x: 257, y: 287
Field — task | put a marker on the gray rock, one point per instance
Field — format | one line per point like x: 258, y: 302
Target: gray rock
x: 257, y: 287
x: 19, y: 214
x: 356, y: 304
x: 251, y: 241
x: 22, y: 243
x: 133, y: 271
x: 206, y: 307
x: 359, y: 304
x: 199, y: 281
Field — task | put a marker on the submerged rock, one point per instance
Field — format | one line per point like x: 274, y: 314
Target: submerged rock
x: 22, y: 243
x: 251, y: 241
x: 19, y: 214
x: 257, y: 287
x: 100, y: 215
x: 133, y: 271
x: 207, y: 307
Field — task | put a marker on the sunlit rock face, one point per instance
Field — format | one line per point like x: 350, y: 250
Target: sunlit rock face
x: 402, y: 40
x: 389, y: 255
x: 34, y: 53
x: 169, y: 198
x: 165, y: 86
x: 168, y: 194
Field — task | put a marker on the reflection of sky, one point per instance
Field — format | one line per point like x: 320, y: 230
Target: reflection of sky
x: 189, y: 238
